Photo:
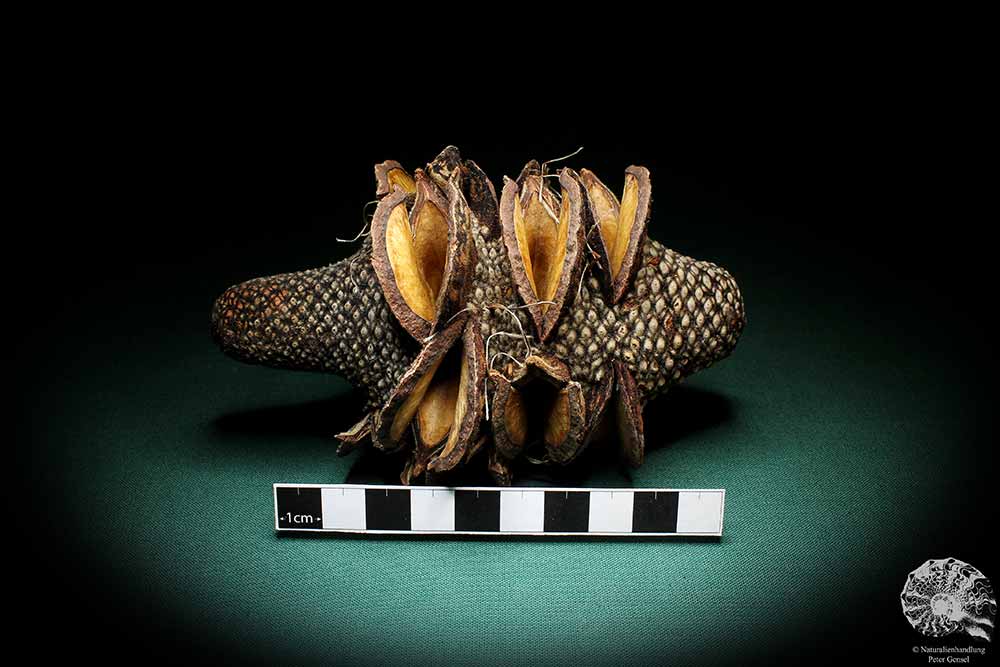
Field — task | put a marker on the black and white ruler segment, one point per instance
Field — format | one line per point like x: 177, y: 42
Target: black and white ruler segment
x: 368, y: 508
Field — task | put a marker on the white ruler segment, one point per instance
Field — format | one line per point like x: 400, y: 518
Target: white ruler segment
x: 381, y: 509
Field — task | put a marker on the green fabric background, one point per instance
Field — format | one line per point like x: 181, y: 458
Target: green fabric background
x: 845, y: 443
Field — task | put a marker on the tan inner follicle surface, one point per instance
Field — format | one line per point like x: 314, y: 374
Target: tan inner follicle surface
x: 405, y: 414
x: 557, y: 424
x: 437, y: 402
x: 626, y: 220
x: 437, y: 408
x: 417, y: 246
x: 398, y: 177
x: 541, y: 237
x: 537, y: 411
x: 537, y: 406
x: 616, y: 219
x: 516, y: 418
x: 459, y: 404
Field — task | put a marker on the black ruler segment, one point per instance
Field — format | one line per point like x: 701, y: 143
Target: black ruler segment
x: 361, y: 508
x: 387, y: 509
x: 299, y: 508
x: 477, y: 511
x: 567, y: 511
x: 654, y: 512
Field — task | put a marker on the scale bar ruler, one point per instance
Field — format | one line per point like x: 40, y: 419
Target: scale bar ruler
x: 379, y: 509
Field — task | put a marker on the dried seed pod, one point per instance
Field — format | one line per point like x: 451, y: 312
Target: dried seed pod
x: 629, y: 412
x: 500, y: 468
x: 549, y: 367
x: 390, y: 175
x: 410, y: 474
x: 474, y: 185
x: 482, y: 198
x: 422, y: 256
x: 445, y: 166
x: 440, y: 398
x: 544, y: 236
x: 478, y: 446
x: 408, y: 397
x: 597, y: 399
x: 620, y: 230
x: 509, y: 419
x: 460, y: 260
x: 467, y: 412
x: 352, y: 437
x: 564, y: 433
x: 539, y: 405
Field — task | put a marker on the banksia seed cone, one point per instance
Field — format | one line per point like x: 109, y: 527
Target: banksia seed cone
x: 494, y: 330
